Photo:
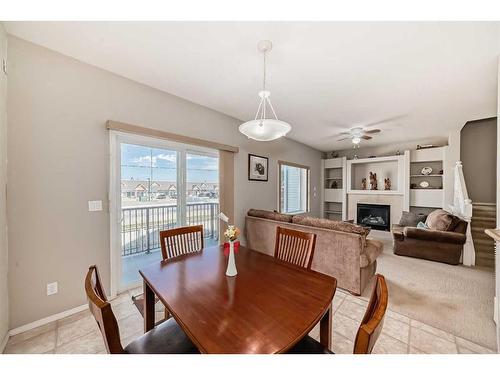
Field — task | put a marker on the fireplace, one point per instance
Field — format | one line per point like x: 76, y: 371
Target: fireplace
x: 375, y: 216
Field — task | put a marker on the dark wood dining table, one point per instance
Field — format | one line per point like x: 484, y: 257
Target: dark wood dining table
x: 266, y: 308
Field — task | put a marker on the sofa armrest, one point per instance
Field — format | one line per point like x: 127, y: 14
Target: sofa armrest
x: 434, y: 235
x: 397, y: 232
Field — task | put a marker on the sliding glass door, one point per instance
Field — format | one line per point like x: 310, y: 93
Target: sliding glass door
x: 162, y: 185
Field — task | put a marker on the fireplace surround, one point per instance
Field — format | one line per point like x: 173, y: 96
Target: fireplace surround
x: 375, y: 216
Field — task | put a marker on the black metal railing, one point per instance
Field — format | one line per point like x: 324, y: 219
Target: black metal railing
x: 141, y: 225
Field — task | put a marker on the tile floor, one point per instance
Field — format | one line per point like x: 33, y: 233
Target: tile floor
x: 78, y: 333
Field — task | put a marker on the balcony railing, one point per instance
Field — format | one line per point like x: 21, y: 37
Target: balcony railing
x: 141, y: 225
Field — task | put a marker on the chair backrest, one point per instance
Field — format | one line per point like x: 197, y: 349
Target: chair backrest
x: 373, y: 321
x: 101, y: 309
x: 294, y: 246
x: 179, y: 241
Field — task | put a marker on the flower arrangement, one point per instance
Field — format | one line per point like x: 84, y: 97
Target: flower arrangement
x: 231, y: 233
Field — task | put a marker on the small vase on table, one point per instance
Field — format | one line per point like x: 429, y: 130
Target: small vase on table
x: 231, y: 264
x: 231, y: 234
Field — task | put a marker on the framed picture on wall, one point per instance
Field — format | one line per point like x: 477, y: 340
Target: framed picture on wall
x: 258, y: 168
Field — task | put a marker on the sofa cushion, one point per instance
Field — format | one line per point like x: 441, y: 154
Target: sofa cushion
x: 270, y: 215
x: 340, y: 226
x: 411, y: 219
x: 442, y: 220
x: 373, y: 249
x: 432, y: 236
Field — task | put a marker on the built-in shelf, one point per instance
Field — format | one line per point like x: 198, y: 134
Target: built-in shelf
x: 426, y: 197
x: 438, y: 189
x: 426, y: 175
x: 334, y: 188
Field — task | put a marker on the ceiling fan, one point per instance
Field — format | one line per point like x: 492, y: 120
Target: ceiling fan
x: 357, y: 134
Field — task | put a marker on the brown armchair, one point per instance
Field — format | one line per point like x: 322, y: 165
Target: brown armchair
x: 432, y: 244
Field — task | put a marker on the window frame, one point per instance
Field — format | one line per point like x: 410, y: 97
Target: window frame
x: 308, y: 185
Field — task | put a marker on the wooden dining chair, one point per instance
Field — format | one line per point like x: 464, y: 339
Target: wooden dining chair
x: 165, y: 338
x: 175, y: 242
x: 295, y: 247
x: 181, y: 241
x: 368, y: 331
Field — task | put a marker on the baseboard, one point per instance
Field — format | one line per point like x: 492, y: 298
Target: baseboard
x: 3, y: 343
x: 49, y: 319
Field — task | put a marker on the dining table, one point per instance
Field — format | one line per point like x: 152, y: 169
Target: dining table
x: 268, y: 307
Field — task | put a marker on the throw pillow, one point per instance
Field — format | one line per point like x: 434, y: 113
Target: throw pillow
x: 411, y: 219
x: 422, y: 225
x: 441, y: 220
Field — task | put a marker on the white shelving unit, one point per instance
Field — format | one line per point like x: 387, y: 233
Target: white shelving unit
x: 433, y: 196
x: 341, y: 178
x: 333, y: 199
x: 392, y: 167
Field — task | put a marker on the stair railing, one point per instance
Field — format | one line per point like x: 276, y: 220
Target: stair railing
x: 462, y: 207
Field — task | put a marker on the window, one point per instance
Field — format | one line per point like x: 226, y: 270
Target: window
x: 293, y: 188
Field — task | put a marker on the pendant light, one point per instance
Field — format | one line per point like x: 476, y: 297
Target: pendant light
x: 262, y: 128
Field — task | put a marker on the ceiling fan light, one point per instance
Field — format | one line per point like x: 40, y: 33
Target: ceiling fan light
x: 356, y: 140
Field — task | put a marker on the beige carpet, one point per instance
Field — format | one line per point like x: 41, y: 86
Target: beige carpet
x: 456, y: 299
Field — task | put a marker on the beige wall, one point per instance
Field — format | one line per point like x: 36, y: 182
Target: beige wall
x: 4, y: 300
x: 58, y: 160
x: 479, y: 163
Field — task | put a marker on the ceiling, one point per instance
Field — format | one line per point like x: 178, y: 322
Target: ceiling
x: 325, y: 77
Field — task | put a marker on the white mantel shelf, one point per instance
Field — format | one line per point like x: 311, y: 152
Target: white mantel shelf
x: 375, y: 192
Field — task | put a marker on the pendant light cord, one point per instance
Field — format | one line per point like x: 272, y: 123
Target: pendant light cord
x: 264, y: 87
x: 264, y: 75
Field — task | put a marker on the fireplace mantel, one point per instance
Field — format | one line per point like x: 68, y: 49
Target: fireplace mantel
x: 375, y: 192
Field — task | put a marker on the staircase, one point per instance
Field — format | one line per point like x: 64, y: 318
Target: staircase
x: 483, y: 217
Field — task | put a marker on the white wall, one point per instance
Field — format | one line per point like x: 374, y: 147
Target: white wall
x: 58, y: 160
x: 4, y: 300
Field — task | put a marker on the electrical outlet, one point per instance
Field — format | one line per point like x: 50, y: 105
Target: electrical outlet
x: 52, y: 288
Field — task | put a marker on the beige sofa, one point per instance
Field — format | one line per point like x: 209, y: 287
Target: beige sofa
x: 349, y: 257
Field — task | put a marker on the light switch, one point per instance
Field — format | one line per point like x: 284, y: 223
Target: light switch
x: 95, y: 206
x: 52, y: 288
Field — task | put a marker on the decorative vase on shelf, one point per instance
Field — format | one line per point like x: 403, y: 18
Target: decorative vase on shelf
x: 231, y: 264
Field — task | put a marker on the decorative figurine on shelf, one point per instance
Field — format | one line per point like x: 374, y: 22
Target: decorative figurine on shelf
x: 363, y: 183
x: 373, y: 181
x: 387, y: 183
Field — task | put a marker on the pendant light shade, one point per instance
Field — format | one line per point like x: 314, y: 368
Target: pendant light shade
x: 265, y: 130
x: 262, y: 128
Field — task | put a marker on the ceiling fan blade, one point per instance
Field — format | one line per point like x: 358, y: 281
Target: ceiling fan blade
x: 373, y: 131
x: 343, y: 139
x: 367, y: 137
